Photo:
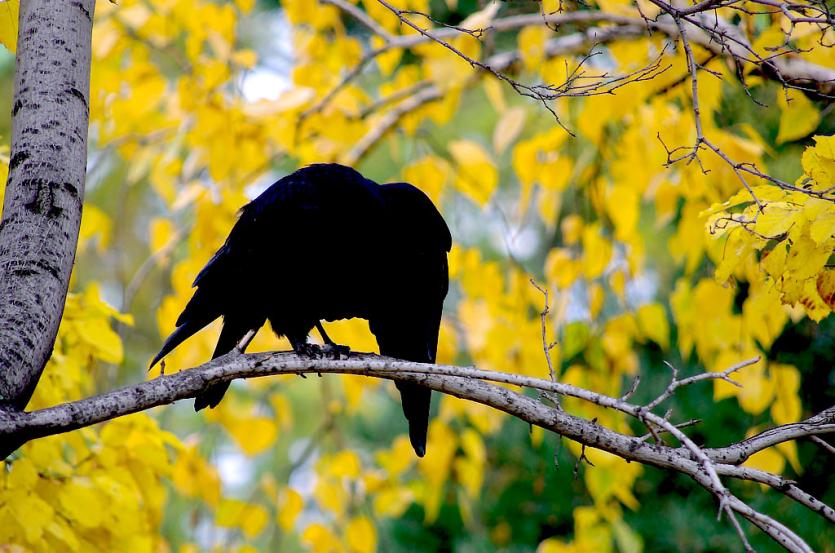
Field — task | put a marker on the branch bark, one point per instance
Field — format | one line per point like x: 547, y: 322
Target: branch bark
x: 704, y: 466
x: 45, y: 188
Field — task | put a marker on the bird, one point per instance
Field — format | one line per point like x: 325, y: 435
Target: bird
x: 321, y: 244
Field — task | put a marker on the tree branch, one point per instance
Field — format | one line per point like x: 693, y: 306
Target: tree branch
x: 718, y: 36
x: 570, y: 44
x: 705, y: 466
x: 45, y: 188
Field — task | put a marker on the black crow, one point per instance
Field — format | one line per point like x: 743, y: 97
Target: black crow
x: 325, y: 243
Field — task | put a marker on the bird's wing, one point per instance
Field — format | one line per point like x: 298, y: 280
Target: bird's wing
x: 278, y: 249
x: 408, y: 322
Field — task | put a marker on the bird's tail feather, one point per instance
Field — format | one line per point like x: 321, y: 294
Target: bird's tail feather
x: 233, y: 331
x: 211, y: 396
x: 182, y: 332
x: 416, y: 400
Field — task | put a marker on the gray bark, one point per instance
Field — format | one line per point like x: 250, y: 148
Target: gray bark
x: 45, y: 189
x: 704, y: 466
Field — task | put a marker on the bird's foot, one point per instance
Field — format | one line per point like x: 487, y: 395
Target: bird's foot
x: 314, y: 351
x: 335, y: 351
x: 329, y: 351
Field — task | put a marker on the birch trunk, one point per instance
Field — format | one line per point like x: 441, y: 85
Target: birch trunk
x: 45, y: 189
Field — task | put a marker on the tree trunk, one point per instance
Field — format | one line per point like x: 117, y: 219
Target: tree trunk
x: 45, y: 189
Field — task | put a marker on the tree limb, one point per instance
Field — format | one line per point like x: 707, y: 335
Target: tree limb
x: 705, y: 466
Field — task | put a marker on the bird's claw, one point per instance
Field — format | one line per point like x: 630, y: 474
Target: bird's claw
x: 329, y: 351
x: 335, y: 351
x: 313, y: 351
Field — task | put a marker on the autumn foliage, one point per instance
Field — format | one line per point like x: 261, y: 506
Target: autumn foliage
x: 645, y: 261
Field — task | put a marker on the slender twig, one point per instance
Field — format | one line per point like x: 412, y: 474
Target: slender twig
x: 360, y: 16
x: 824, y: 444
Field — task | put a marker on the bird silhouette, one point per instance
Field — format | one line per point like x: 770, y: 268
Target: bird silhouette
x: 326, y: 243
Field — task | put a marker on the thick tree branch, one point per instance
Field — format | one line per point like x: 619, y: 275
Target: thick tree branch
x: 45, y: 188
x: 705, y: 466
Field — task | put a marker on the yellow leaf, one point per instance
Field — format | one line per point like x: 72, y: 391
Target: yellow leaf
x: 361, y: 535
x: 255, y: 519
x: 508, y: 128
x: 597, y: 251
x: 622, y: 205
x: 826, y: 287
x: 476, y: 174
x: 332, y: 496
x: 245, y: 5
x: 819, y: 164
x: 652, y: 320
x: 193, y: 476
x: 8, y: 23
x: 81, y: 502
x: 290, y: 504
x: 94, y: 223
x: 234, y: 513
x: 448, y: 70
x: 493, y: 90
x: 812, y: 301
x: 532, y: 46
x: 435, y: 467
x: 33, y: 514
x: 596, y: 297
x: 162, y: 232
x: 789, y: 451
x: 591, y: 533
x: 722, y: 389
x: 252, y: 434
x: 627, y: 539
x: 97, y: 333
x: 392, y: 501
x: 398, y: 459
x: 470, y: 469
x: 282, y: 410
x: 798, y: 115
x: 757, y: 390
x: 768, y: 460
x: 823, y: 227
x: 774, y: 261
x: 321, y: 540
x: 561, y: 268
x: 786, y: 407
x: 572, y: 229
x: 245, y: 58
x: 617, y: 282
x: 388, y: 60
x: 430, y: 174
x: 344, y: 464
x: 775, y: 219
x: 229, y: 512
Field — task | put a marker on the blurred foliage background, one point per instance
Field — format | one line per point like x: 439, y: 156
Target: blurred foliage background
x: 197, y: 106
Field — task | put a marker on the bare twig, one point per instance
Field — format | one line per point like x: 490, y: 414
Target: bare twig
x: 360, y: 16
x: 547, y: 345
x: 675, y: 383
x: 388, y: 121
x: 824, y: 444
